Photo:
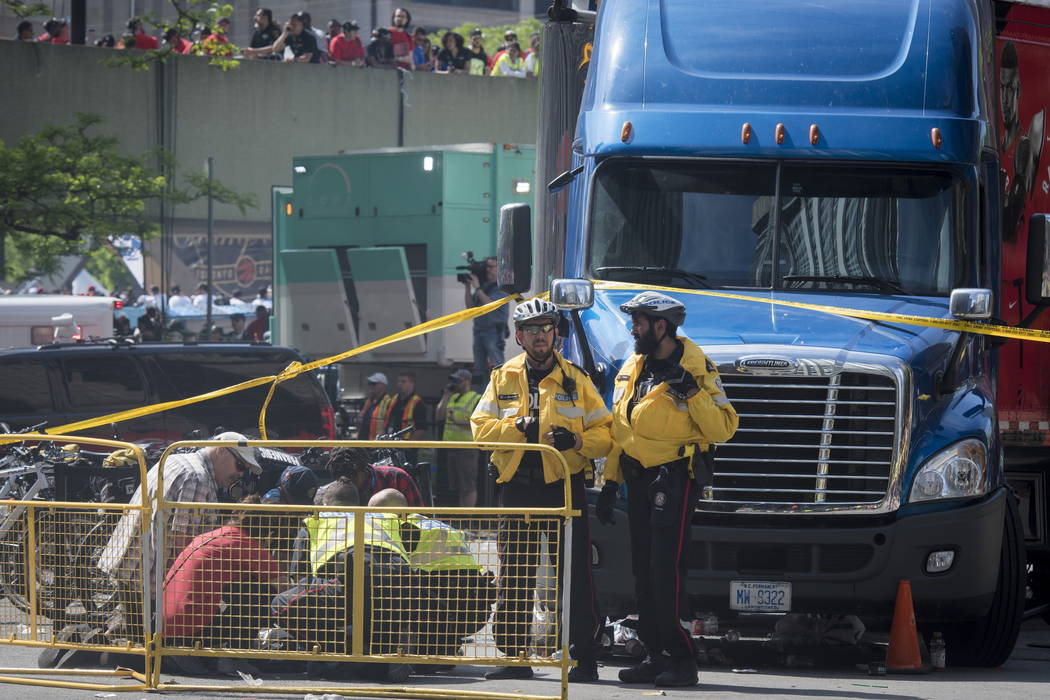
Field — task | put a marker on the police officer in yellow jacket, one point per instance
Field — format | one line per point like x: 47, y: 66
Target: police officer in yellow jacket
x: 668, y: 408
x: 536, y: 396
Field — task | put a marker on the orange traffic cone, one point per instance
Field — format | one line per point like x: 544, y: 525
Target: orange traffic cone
x: 903, y: 654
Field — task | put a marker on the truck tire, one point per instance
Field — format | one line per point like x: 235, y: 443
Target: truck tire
x: 989, y: 640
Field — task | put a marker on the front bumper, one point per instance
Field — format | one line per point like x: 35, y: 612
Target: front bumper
x: 833, y: 567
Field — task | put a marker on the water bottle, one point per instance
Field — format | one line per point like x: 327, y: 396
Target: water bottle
x: 937, y: 652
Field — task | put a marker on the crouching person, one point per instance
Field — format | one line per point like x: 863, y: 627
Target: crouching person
x: 309, y: 608
x: 218, y: 590
x: 457, y: 594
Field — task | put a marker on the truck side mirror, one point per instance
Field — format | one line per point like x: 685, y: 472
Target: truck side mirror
x: 514, y: 274
x: 970, y: 304
x: 572, y: 294
x: 1037, y: 275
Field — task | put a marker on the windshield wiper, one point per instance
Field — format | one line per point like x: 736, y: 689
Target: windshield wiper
x: 698, y: 280
x: 880, y: 284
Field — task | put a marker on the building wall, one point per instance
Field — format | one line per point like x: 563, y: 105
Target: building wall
x: 254, y: 119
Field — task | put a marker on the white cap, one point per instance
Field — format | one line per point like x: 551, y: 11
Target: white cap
x: 377, y: 378
x: 243, y: 450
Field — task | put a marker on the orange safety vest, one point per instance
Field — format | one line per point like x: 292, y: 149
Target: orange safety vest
x: 406, y: 414
x: 377, y: 421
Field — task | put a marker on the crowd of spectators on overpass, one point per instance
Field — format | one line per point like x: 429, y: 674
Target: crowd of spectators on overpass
x: 397, y: 47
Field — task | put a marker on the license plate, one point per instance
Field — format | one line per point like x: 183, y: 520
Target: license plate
x: 760, y: 596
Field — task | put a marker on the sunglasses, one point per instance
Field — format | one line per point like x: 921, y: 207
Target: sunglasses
x: 537, y: 330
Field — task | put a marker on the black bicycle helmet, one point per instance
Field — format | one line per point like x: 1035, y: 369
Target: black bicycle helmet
x: 656, y: 305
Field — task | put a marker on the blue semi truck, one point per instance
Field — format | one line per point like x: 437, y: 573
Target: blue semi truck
x: 880, y: 155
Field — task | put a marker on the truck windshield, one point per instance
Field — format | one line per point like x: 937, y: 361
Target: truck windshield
x: 847, y: 228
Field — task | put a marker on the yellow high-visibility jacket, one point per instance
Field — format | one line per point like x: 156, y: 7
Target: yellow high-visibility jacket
x: 506, y: 398
x: 660, y: 426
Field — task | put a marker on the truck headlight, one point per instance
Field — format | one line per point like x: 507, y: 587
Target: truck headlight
x: 955, y: 472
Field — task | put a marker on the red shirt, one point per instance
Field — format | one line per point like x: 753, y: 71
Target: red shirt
x: 403, y: 46
x: 194, y: 584
x: 257, y: 328
x: 182, y: 47
x: 145, y: 41
x: 343, y: 49
x: 48, y: 39
x: 217, y: 45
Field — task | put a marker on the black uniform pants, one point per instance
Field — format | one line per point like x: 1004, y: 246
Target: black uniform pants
x: 660, y: 519
x: 519, y: 545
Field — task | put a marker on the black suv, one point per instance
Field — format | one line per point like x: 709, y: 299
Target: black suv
x: 60, y: 384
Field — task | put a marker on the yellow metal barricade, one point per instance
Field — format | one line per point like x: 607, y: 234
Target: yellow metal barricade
x: 361, y: 589
x: 59, y: 590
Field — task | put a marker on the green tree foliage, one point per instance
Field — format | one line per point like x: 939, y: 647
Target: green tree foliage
x: 21, y: 9
x: 66, y: 191
x: 191, y: 16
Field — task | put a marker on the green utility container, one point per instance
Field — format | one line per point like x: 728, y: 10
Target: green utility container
x: 367, y: 243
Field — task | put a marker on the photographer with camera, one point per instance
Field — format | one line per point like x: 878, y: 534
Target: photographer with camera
x: 490, y: 330
x: 454, y: 409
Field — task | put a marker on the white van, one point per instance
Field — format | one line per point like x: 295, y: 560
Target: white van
x: 38, y: 319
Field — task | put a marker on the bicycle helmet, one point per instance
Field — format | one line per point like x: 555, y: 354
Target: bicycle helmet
x: 535, y: 309
x: 656, y: 305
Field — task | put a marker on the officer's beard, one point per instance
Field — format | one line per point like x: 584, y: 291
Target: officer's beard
x: 646, y: 343
x: 540, y: 358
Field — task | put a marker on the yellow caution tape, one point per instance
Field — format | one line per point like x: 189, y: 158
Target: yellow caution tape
x: 947, y: 324
x: 289, y: 372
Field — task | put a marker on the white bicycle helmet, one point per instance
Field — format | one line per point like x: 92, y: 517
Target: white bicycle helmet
x: 535, y: 309
x: 656, y: 305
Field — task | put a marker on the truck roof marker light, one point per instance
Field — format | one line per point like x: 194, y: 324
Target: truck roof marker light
x: 745, y: 133
x: 626, y: 131
x: 288, y: 209
x: 935, y: 136
x: 780, y: 132
x: 814, y: 134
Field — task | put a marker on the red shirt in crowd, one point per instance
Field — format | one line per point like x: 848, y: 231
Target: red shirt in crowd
x: 145, y: 41
x: 403, y: 47
x: 48, y: 39
x: 182, y: 46
x: 257, y: 328
x: 217, y: 45
x: 343, y: 49
x: 194, y: 584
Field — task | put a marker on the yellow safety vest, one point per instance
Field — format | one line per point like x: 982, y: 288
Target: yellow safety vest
x: 333, y: 533
x: 441, y: 547
x: 460, y: 406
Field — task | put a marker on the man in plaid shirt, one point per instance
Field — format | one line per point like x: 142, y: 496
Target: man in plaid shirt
x: 188, y: 478
x: 351, y: 464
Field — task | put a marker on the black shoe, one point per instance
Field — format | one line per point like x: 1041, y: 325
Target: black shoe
x: 397, y: 673
x: 584, y: 672
x: 52, y: 657
x: 645, y: 672
x: 189, y: 666
x: 510, y: 673
x: 679, y: 674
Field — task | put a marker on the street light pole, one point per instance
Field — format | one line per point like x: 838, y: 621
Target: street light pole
x: 207, y: 315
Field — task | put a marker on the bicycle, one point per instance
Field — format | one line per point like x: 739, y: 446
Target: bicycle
x: 70, y: 588
x: 395, y: 457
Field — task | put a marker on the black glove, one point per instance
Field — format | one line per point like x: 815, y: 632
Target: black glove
x: 563, y: 439
x: 603, y: 509
x: 530, y: 427
x: 680, y: 382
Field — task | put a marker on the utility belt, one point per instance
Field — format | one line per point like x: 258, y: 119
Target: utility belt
x: 699, y: 463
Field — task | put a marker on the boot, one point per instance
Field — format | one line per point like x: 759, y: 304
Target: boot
x: 585, y: 671
x: 645, y: 672
x: 680, y: 673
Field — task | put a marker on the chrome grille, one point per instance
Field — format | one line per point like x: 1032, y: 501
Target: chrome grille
x: 806, y: 442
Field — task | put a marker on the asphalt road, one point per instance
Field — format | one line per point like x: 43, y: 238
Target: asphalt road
x: 1025, y: 676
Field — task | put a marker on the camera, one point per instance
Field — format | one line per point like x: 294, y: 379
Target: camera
x: 473, y: 267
